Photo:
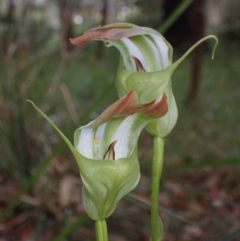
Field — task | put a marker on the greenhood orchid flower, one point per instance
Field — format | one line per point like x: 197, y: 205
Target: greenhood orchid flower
x: 106, y: 148
x: 106, y: 152
x: 145, y: 66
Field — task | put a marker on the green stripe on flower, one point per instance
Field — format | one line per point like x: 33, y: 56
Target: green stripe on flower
x: 145, y: 66
x: 107, y: 157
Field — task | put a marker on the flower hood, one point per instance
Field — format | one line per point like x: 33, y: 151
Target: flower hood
x: 145, y: 66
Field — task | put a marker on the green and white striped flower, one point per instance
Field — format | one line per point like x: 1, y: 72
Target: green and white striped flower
x: 106, y: 152
x: 106, y: 149
x: 145, y: 67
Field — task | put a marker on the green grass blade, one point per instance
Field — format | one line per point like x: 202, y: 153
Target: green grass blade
x: 31, y: 181
x: 42, y: 167
x: 165, y: 211
x: 174, y: 16
x: 71, y: 227
x: 212, y: 163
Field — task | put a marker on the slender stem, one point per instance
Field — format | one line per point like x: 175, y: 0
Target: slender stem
x: 101, y: 230
x: 156, y: 223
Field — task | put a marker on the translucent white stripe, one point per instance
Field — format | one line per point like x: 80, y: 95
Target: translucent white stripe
x: 85, y: 144
x: 134, y: 51
x: 98, y: 142
x: 156, y: 61
x: 100, y: 132
x: 122, y: 136
x: 163, y: 50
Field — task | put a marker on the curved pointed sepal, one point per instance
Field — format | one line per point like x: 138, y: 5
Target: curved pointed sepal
x: 65, y: 139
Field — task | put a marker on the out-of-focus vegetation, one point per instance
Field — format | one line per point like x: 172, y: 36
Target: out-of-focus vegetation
x: 40, y: 197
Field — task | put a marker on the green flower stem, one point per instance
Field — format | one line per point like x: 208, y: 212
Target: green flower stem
x: 156, y: 223
x: 101, y: 230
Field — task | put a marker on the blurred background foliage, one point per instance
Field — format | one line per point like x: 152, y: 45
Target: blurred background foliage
x: 40, y: 188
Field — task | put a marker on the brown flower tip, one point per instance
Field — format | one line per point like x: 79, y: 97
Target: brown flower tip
x: 110, y: 153
x: 124, y: 106
x: 138, y: 63
x: 102, y: 33
x: 108, y: 32
x: 154, y: 110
